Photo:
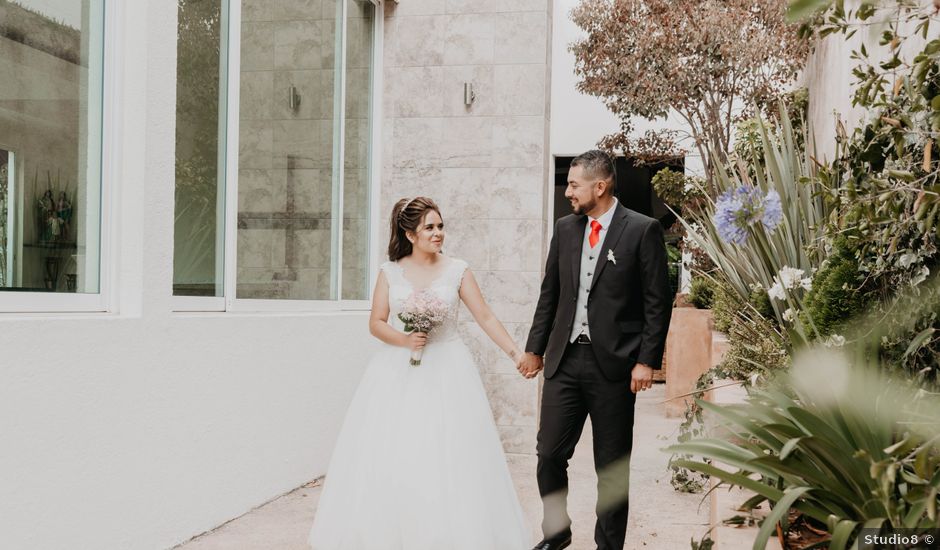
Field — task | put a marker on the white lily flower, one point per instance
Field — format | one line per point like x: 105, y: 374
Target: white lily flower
x: 790, y: 277
x: 776, y: 291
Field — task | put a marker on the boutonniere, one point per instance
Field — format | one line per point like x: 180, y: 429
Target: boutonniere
x: 611, y: 257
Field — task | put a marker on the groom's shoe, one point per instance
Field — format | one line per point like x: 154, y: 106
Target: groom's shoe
x: 554, y: 543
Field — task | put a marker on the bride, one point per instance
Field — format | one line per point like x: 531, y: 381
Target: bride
x: 418, y: 464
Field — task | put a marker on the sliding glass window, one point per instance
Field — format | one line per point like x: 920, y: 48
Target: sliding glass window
x: 360, y: 22
x: 285, y: 162
x: 302, y: 173
x: 51, y: 62
x: 199, y: 228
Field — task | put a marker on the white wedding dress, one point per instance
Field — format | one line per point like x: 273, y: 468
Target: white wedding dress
x: 418, y: 464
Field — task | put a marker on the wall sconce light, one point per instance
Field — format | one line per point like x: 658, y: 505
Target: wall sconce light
x: 293, y: 98
x: 468, y: 94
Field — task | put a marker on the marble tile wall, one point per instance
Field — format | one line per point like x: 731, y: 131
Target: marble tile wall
x: 286, y: 154
x: 486, y: 165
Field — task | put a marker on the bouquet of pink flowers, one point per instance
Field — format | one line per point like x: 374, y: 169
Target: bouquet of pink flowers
x: 422, y: 312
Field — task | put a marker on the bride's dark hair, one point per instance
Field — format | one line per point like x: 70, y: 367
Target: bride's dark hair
x: 407, y: 215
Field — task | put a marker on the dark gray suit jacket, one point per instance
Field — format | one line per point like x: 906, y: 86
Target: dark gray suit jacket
x: 630, y: 302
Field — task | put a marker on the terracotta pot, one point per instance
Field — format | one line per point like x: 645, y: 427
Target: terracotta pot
x: 688, y: 354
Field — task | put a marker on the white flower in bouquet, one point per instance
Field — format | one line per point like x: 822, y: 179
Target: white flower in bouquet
x: 422, y: 311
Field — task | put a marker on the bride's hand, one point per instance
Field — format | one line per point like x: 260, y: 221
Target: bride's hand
x: 416, y: 340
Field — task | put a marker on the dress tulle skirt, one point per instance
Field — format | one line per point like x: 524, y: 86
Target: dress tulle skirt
x: 418, y: 464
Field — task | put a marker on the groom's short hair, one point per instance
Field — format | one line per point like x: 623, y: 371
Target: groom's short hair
x: 597, y: 164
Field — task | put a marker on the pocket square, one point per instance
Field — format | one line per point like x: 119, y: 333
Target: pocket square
x: 611, y: 257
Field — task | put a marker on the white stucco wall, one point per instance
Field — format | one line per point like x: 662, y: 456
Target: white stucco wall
x: 142, y: 427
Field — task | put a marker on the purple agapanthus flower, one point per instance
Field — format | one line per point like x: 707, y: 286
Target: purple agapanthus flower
x: 773, y: 210
x: 738, y: 209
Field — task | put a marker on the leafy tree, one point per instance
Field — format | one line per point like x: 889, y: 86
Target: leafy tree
x: 703, y: 59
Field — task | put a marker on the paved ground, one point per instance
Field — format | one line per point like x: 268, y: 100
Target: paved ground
x: 660, y: 518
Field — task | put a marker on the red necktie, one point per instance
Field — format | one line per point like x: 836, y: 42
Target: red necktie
x: 595, y: 233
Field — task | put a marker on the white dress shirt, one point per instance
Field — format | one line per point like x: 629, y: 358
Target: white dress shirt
x: 588, y: 264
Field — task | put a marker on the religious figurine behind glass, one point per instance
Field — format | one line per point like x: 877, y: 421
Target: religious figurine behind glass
x: 55, y: 227
x: 63, y: 210
x: 46, y: 210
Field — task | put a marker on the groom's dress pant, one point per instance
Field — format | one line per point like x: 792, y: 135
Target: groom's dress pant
x: 577, y: 390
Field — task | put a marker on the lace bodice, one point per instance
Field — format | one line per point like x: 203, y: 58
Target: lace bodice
x: 446, y: 286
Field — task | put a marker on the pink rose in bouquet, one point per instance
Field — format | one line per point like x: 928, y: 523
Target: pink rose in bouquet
x: 422, y: 312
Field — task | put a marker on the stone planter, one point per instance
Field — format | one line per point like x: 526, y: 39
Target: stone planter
x: 688, y: 354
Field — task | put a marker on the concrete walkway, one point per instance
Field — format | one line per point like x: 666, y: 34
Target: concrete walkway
x: 660, y: 518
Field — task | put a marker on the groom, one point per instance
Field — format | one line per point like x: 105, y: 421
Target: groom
x: 601, y: 324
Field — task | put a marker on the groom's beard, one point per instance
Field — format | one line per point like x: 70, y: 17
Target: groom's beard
x: 581, y: 208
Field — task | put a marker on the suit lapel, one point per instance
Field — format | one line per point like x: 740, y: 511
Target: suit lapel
x: 576, y: 242
x: 617, y: 225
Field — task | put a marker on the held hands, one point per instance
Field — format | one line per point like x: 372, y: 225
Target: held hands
x: 641, y: 378
x: 529, y: 365
x: 416, y: 340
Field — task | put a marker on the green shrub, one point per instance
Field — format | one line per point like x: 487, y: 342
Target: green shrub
x: 677, y: 189
x: 674, y: 263
x: 724, y: 307
x: 701, y: 292
x: 760, y: 300
x: 912, y: 345
x: 836, y: 296
x: 669, y: 186
x: 755, y: 343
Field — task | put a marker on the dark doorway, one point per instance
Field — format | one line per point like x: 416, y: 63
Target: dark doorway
x: 634, y: 187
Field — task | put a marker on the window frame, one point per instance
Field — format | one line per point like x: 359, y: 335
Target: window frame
x: 229, y: 143
x: 13, y: 189
x: 109, y: 135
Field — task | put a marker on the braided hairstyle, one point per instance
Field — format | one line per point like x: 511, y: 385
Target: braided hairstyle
x: 407, y: 215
